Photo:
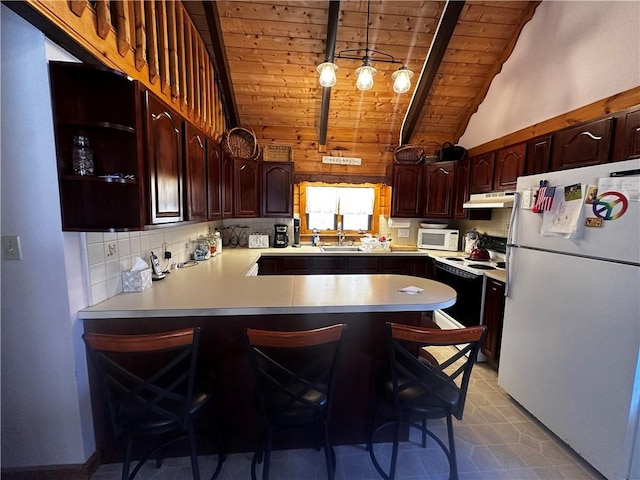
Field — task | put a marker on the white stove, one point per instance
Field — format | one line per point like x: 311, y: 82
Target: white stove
x: 475, y: 267
x: 467, y: 277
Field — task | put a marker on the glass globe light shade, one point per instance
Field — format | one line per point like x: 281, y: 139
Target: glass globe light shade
x: 327, y: 72
x: 365, y: 77
x: 402, y: 79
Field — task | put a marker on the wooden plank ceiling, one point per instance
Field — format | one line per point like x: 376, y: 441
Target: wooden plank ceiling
x: 272, y: 50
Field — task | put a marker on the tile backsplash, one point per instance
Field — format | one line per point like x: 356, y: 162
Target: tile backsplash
x: 110, y: 254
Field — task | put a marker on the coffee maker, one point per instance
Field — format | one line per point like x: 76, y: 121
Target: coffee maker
x: 281, y: 238
x: 296, y: 232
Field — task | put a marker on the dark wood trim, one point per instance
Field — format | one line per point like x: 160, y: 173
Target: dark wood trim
x: 447, y: 25
x: 221, y: 65
x: 80, y: 471
x: 332, y: 34
x: 337, y: 178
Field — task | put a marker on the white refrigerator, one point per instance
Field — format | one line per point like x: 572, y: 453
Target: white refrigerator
x: 570, y: 350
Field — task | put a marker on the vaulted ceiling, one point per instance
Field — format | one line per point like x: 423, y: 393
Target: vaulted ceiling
x: 267, y: 53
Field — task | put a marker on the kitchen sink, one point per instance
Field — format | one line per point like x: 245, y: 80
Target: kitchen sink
x: 339, y: 248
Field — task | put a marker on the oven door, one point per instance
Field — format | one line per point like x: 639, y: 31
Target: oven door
x: 467, y: 311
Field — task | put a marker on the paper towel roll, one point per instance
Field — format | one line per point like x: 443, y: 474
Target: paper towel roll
x: 398, y: 223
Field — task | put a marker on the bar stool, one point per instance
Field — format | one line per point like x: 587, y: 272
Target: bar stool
x: 150, y: 386
x: 424, y: 387
x: 294, y: 378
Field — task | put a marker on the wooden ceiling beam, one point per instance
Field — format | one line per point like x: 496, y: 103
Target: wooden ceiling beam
x: 220, y: 63
x: 445, y: 29
x: 332, y: 34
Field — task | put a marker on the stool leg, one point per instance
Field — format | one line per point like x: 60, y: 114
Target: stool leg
x: 327, y: 451
x: 195, y: 470
x: 453, y: 463
x: 424, y: 433
x: 127, y: 457
x: 267, y: 455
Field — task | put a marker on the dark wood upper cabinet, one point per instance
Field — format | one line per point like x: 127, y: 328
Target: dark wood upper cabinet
x: 482, y: 168
x: 461, y: 188
x: 164, y: 161
x: 627, y: 138
x: 195, y: 160
x: 538, y: 155
x: 227, y: 186
x: 407, y: 191
x: 246, y: 183
x: 214, y: 181
x: 113, y: 198
x: 509, y: 165
x: 439, y: 181
x: 582, y: 145
x: 276, y: 189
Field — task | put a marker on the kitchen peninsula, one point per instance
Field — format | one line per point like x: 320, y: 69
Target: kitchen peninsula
x: 218, y: 296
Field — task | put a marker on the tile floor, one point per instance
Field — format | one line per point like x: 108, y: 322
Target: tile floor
x: 495, y: 440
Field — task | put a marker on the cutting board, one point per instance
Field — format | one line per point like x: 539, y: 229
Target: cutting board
x: 403, y: 248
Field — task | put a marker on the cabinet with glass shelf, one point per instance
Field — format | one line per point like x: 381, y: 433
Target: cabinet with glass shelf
x: 104, y: 106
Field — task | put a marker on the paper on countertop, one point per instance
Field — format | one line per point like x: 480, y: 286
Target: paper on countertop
x: 411, y: 290
x: 139, y: 265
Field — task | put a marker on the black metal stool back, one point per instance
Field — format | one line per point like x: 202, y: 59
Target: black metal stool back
x: 149, y: 385
x: 294, y: 373
x: 426, y: 386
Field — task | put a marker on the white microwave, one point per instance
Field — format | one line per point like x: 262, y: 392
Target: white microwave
x: 438, y: 239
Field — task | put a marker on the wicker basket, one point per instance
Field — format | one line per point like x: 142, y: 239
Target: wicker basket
x: 277, y: 153
x: 433, y: 152
x: 408, y: 154
x: 241, y: 142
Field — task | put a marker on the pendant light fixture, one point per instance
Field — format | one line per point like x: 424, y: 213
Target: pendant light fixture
x: 365, y: 73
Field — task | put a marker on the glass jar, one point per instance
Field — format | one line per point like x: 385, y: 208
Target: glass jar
x: 82, y: 156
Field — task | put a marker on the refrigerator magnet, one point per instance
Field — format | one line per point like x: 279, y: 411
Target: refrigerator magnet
x: 593, y: 222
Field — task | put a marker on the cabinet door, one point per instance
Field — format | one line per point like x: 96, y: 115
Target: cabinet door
x: 482, y: 173
x: 538, y: 155
x: 227, y: 186
x: 277, y: 189
x: 583, y: 145
x: 627, y: 142
x: 246, y: 198
x: 362, y: 264
x: 406, y: 193
x: 164, y: 162
x: 195, y: 148
x: 214, y: 181
x: 461, y: 188
x: 269, y: 266
x: 509, y: 165
x: 493, y: 317
x: 439, y: 180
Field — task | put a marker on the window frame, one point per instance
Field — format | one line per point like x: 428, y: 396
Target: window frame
x: 375, y: 220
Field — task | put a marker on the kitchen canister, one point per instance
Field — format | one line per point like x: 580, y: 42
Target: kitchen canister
x: 82, y: 156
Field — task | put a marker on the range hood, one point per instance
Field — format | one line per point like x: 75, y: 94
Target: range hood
x: 490, y: 200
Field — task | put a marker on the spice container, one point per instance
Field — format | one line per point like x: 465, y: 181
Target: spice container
x: 82, y: 156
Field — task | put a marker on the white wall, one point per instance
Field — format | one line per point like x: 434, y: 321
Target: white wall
x: 45, y: 410
x: 570, y: 54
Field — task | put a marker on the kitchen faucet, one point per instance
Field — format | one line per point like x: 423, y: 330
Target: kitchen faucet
x: 340, y: 234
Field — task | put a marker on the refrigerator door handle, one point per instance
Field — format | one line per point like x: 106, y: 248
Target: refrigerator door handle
x: 510, y: 244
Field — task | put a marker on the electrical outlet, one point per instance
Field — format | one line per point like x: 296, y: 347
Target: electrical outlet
x: 403, y: 232
x: 11, y: 247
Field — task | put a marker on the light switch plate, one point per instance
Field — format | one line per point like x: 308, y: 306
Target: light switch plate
x: 403, y: 232
x: 11, y: 247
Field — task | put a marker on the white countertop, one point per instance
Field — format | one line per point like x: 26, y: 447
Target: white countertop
x: 218, y: 286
